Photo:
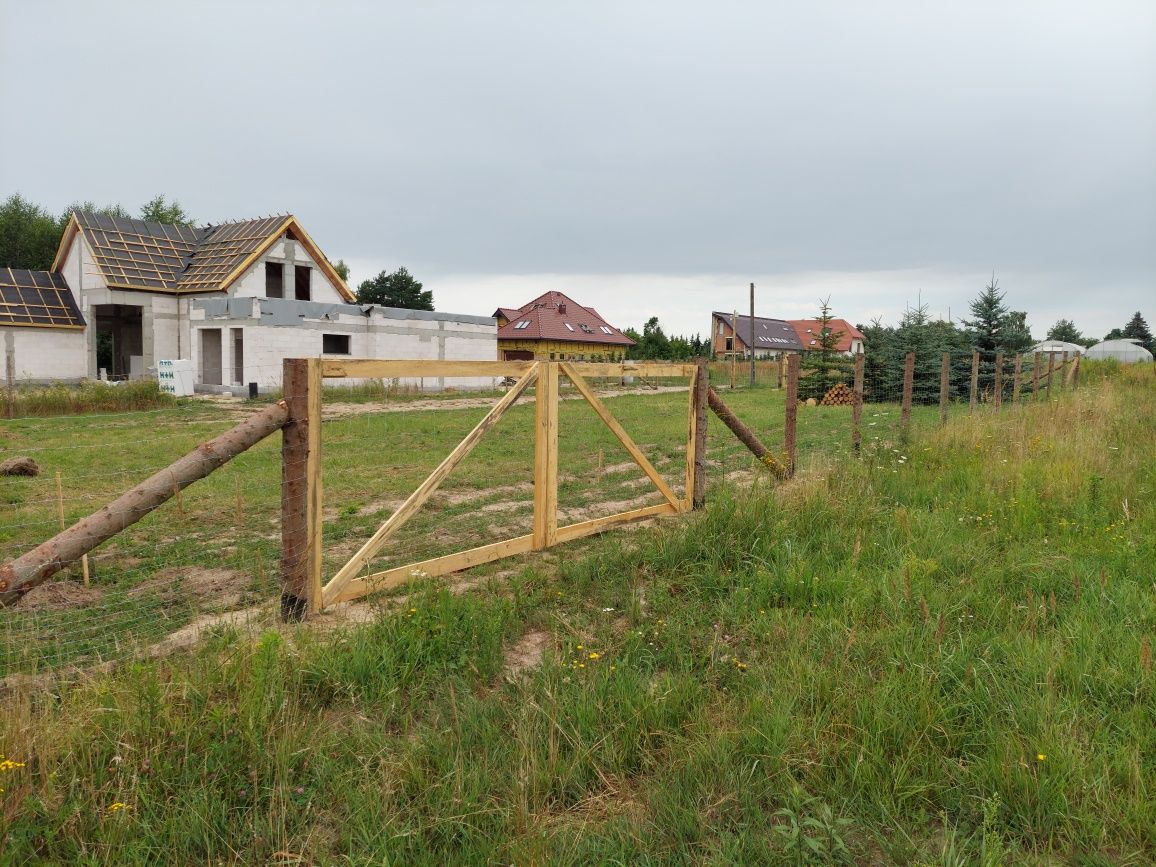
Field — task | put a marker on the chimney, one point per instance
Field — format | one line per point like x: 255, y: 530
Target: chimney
x: 562, y: 307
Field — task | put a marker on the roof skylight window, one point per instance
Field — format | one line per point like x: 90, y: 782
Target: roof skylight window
x: 525, y: 323
x: 605, y: 329
x: 569, y: 327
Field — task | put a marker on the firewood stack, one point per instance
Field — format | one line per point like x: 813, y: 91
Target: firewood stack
x: 838, y: 395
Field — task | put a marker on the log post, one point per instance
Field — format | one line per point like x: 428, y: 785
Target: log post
x: 792, y: 413
x: 696, y: 460
x: 301, y: 490
x: 780, y: 367
x: 48, y: 558
x: 1037, y: 360
x: 744, y: 434
x: 1063, y: 370
x: 944, y: 386
x: 974, y: 381
x: 1075, y: 374
x: 997, y: 398
x: 1051, y: 373
x: 908, y: 389
x: 10, y: 379
x: 1017, y: 378
x: 857, y: 405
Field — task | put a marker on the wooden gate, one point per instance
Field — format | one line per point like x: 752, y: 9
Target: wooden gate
x: 301, y: 506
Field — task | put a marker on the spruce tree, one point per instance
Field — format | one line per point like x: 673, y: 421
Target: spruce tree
x: 824, y: 367
x: 1137, y: 329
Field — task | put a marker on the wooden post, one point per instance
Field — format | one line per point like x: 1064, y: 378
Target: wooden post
x: 781, y: 366
x: 10, y: 378
x: 1051, y: 372
x: 908, y: 388
x: 944, y: 386
x: 792, y: 412
x: 751, y: 345
x: 974, y: 381
x: 1075, y: 374
x: 696, y: 457
x: 546, y: 457
x: 1063, y: 370
x: 734, y: 346
x: 301, y: 490
x: 1037, y: 360
x: 997, y: 398
x: 1017, y: 378
x: 857, y: 404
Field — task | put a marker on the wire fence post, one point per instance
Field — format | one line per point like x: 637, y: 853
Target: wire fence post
x: 1076, y: 370
x: 301, y: 490
x: 1051, y: 373
x: 974, y: 381
x: 10, y: 378
x: 1017, y: 376
x: 1063, y: 370
x: 857, y: 405
x: 696, y: 460
x: 908, y: 388
x: 997, y: 398
x: 944, y: 386
x: 792, y: 412
x: 1037, y: 360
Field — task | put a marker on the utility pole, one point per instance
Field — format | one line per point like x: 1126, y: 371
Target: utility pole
x: 751, y: 345
x: 734, y: 344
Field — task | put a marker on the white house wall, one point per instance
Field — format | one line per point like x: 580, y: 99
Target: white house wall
x: 276, y: 329
x: 45, y: 354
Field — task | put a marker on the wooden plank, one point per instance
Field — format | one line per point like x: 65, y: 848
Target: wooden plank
x: 1017, y: 378
x: 367, y: 368
x: 450, y: 563
x: 997, y: 398
x: 434, y: 568
x: 791, y: 413
x: 857, y: 404
x: 623, y: 437
x: 696, y: 462
x: 314, y: 521
x: 417, y: 499
x: 546, y: 457
x: 597, y: 525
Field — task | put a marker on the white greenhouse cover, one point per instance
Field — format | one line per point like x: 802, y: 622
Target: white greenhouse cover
x: 1126, y: 350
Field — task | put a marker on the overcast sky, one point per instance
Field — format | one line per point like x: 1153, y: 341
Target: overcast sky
x: 646, y: 158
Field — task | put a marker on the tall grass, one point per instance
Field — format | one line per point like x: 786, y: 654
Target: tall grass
x: 86, y: 397
x: 934, y: 656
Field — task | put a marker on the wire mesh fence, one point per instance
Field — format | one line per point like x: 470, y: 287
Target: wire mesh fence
x: 210, y: 557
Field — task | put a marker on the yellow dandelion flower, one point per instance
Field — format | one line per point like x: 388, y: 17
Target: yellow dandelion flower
x: 594, y: 656
x: 1041, y: 757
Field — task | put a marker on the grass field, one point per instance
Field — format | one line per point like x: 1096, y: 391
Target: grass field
x: 940, y: 653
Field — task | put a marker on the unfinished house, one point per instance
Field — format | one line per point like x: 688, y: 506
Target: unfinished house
x: 236, y: 299
x: 41, y: 329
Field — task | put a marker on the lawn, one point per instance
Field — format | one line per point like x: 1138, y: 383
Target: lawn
x: 938, y: 653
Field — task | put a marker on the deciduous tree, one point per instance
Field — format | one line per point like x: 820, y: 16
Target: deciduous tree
x: 398, y: 289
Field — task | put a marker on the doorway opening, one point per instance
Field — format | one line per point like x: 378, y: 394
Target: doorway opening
x: 211, y: 356
x: 119, y: 339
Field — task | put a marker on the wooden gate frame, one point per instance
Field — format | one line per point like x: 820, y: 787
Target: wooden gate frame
x: 303, y: 590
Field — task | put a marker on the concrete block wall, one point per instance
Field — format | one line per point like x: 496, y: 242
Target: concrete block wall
x: 43, y: 355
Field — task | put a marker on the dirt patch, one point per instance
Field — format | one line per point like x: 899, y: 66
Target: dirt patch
x: 525, y: 655
x: 55, y: 595
x: 597, y: 510
x: 375, y: 506
x: 456, y: 498
x: 214, y: 589
x: 506, y: 506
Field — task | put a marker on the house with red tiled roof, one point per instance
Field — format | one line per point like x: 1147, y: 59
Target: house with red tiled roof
x: 850, y: 339
x: 554, y: 327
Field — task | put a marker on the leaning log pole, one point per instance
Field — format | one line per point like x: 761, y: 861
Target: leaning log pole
x: 25, y: 572
x: 744, y: 434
